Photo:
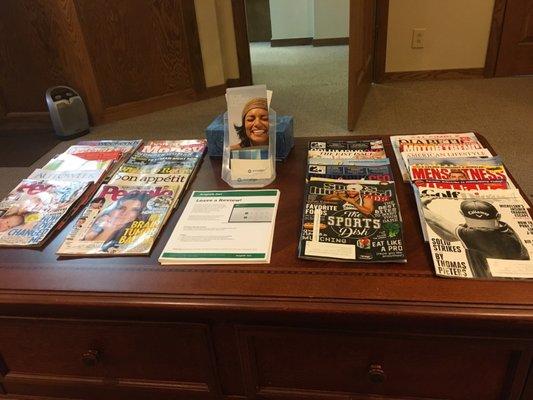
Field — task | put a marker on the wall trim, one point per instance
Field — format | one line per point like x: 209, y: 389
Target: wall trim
x: 234, y: 82
x: 241, y: 41
x: 212, y: 91
x: 436, y: 74
x: 495, y: 38
x: 145, y: 106
x: 291, y: 42
x: 380, y: 40
x: 331, y: 41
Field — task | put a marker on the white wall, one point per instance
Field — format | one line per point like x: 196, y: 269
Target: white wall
x: 217, y: 41
x: 228, y: 45
x: 291, y: 19
x: 457, y: 33
x: 331, y: 18
x: 209, y: 42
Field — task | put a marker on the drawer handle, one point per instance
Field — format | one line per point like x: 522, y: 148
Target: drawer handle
x: 90, y: 358
x: 376, y: 373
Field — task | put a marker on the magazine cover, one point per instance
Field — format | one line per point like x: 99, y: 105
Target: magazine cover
x: 351, y: 220
x: 448, y: 154
x: 127, y: 147
x: 80, y: 160
x: 340, y: 149
x: 178, y: 181
x: 80, y: 176
x: 161, y: 163
x: 121, y: 220
x: 376, y: 172
x: 471, y: 173
x: 456, y: 189
x: 398, y: 141
x: 171, y: 146
x: 479, y: 236
x: 31, y: 211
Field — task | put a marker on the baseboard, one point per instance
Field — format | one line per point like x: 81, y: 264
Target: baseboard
x: 37, y: 116
x: 212, y: 91
x: 330, y: 42
x: 291, y: 42
x: 437, y: 74
x: 145, y: 106
x: 235, y: 82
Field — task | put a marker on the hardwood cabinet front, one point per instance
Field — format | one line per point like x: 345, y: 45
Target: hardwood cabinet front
x: 296, y: 363
x: 47, y: 357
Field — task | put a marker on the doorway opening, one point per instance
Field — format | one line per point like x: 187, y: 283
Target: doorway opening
x: 299, y: 49
x: 367, y: 26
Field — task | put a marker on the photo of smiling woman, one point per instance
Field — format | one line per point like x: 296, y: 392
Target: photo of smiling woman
x: 253, y: 130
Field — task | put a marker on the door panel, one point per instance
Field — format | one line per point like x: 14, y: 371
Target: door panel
x: 516, y: 49
x: 362, y: 25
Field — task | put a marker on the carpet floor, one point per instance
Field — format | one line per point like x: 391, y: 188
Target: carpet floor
x: 310, y: 83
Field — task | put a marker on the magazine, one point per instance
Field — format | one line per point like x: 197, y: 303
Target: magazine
x: 375, y: 172
x: 166, y: 157
x: 220, y: 227
x: 456, y: 139
x: 351, y: 220
x: 121, y: 220
x: 178, y: 181
x: 487, y: 235
x: 345, y: 145
x: 349, y: 149
x: 127, y: 147
x: 171, y: 146
x: 35, y: 209
x: 458, y: 173
x: 79, y: 176
x: 456, y: 189
x: 448, y: 154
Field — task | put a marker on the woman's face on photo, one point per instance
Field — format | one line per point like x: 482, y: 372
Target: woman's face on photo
x: 256, y: 124
x: 125, y: 213
x: 10, y: 222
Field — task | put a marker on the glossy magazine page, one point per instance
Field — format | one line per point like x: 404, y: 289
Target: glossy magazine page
x: 35, y: 208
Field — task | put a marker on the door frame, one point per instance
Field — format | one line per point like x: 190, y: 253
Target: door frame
x: 495, y: 38
x: 243, y: 45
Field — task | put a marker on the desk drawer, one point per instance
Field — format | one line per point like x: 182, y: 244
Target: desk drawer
x: 282, y: 363
x: 140, y: 354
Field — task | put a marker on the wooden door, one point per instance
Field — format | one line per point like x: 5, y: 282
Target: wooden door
x: 361, y: 44
x: 515, y: 56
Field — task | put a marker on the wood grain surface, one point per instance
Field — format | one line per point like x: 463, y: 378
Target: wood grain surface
x: 124, y: 57
x: 138, y: 48
x: 515, y: 56
x: 32, y: 53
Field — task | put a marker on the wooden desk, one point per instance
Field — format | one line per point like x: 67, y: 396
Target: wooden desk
x: 126, y: 327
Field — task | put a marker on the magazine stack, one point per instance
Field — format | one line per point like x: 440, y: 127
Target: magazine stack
x: 351, y: 212
x: 126, y: 214
x: 476, y: 222
x: 43, y: 202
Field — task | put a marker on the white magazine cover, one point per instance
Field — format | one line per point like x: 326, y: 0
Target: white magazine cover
x: 454, y: 189
x: 482, y: 236
x: 429, y: 138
